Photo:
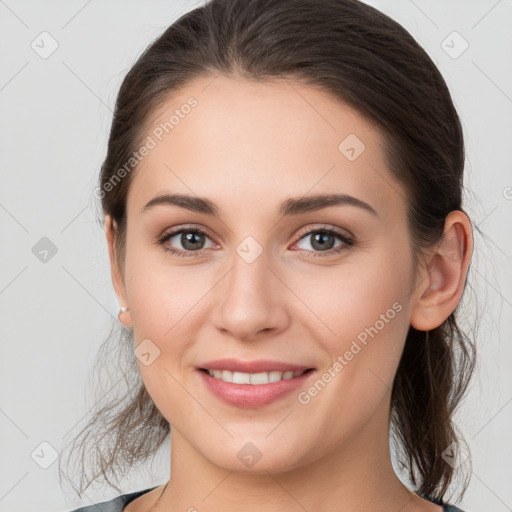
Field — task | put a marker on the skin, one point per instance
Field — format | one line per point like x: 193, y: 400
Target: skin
x: 248, y: 147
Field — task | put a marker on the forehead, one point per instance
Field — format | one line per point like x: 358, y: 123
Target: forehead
x: 238, y: 141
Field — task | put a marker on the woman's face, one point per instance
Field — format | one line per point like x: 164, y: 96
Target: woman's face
x: 264, y: 282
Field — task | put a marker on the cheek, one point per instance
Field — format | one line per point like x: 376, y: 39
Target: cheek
x: 361, y: 314
x: 164, y: 309
x: 367, y: 321
x: 162, y: 296
x: 349, y: 301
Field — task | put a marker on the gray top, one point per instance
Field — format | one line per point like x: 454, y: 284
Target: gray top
x: 118, y: 504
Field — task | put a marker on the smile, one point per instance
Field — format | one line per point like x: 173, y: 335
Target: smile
x: 251, y: 390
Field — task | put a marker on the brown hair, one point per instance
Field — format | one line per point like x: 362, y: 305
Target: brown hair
x: 369, y: 61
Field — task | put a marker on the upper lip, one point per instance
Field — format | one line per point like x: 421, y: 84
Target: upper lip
x: 257, y: 366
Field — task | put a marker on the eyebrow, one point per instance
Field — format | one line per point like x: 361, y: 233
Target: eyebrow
x: 292, y: 206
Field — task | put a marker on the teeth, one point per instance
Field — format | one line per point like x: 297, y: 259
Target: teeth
x: 253, y: 378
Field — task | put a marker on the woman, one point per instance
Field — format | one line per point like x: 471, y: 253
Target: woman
x: 282, y: 206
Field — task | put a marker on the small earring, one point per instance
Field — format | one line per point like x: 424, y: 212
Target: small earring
x: 121, y: 310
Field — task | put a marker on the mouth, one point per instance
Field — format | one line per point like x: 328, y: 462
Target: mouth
x: 234, y: 377
x: 253, y: 384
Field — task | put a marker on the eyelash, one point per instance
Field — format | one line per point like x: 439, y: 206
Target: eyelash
x: 347, y: 242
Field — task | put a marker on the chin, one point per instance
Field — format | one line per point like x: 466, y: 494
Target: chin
x: 256, y: 458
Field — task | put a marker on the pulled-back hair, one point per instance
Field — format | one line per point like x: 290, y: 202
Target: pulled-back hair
x: 367, y: 60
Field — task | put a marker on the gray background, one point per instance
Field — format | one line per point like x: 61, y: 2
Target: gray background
x: 55, y: 115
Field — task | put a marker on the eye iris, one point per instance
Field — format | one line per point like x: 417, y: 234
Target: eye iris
x: 188, y: 239
x: 320, y: 238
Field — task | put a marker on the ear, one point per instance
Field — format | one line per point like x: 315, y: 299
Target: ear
x: 117, y: 274
x: 442, y: 282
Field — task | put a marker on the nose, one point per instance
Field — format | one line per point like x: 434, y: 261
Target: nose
x: 250, y: 301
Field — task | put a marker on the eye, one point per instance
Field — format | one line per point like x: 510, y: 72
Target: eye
x: 322, y: 241
x: 191, y: 239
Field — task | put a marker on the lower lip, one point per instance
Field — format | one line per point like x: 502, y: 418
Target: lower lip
x: 252, y: 395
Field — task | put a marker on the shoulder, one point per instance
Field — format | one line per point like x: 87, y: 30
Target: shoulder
x: 447, y: 507
x: 115, y: 505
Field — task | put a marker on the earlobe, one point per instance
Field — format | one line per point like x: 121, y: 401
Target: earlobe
x: 441, y: 289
